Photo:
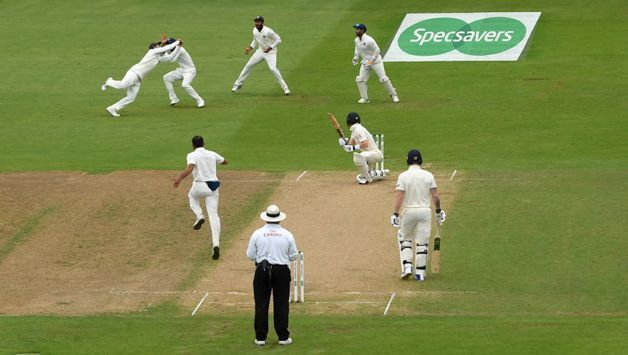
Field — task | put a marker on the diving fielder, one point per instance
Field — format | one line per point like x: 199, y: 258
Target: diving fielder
x: 414, y: 189
x: 202, y: 165
x: 364, y: 148
x: 185, y: 72
x: 366, y: 47
x: 133, y: 78
x: 266, y: 41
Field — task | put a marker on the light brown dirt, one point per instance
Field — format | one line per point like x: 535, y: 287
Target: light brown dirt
x: 102, y: 236
x: 351, y: 255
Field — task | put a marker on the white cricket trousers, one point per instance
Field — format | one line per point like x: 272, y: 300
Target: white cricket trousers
x: 199, y: 191
x: 256, y: 58
x: 131, y: 82
x: 186, y: 75
x: 365, y: 74
x: 416, y: 226
x: 365, y: 161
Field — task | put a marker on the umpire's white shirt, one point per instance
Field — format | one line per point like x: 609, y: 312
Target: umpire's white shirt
x: 416, y: 184
x: 181, y: 56
x: 274, y: 243
x: 360, y: 134
x: 151, y: 59
x: 204, y: 164
x: 367, y: 48
x: 264, y: 39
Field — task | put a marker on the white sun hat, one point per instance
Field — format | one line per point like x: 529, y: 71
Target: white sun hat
x: 273, y: 214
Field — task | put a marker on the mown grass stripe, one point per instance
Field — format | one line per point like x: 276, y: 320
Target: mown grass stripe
x: 25, y: 231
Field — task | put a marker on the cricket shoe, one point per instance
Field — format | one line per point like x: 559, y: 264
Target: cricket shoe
x: 216, y: 254
x: 199, y: 222
x: 419, y: 277
x: 173, y: 102
x: 395, y: 98
x: 364, y: 101
x: 286, y: 91
x: 260, y: 342
x: 407, y: 272
x: 236, y: 88
x: 285, y: 342
x: 361, y: 180
x: 112, y: 111
x: 200, y: 104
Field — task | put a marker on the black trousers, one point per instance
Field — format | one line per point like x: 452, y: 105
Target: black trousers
x: 275, y: 278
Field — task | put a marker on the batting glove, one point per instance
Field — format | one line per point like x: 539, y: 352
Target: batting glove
x: 350, y: 148
x: 342, y: 141
x: 395, y: 220
x: 441, y: 216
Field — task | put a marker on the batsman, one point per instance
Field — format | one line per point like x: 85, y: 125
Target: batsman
x: 414, y: 188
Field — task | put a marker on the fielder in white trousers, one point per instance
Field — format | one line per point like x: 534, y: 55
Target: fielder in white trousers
x: 186, y: 76
x: 256, y: 58
x: 131, y: 82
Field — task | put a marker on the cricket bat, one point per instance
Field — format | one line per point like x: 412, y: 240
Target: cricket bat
x: 436, y: 254
x: 334, y: 123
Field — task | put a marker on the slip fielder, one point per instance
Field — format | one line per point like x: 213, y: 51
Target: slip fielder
x: 367, y: 48
x: 133, y: 78
x: 266, y: 41
x: 414, y: 188
x: 186, y: 72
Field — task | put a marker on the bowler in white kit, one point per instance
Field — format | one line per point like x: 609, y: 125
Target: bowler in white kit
x: 186, y: 72
x: 201, y: 163
x: 367, y: 48
x: 266, y: 41
x: 133, y: 78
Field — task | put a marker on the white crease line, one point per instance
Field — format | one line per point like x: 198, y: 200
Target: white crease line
x: 452, y: 175
x: 389, y: 303
x: 346, y: 302
x: 200, y: 303
x: 300, y: 176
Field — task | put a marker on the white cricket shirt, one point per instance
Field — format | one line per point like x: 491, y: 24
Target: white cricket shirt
x: 204, y: 164
x: 264, y: 39
x: 151, y: 59
x: 416, y: 184
x: 360, y: 134
x: 367, y: 48
x: 181, y: 56
x: 274, y: 243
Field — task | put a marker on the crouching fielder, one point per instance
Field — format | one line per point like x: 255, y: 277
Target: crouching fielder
x: 364, y: 148
x: 414, y: 189
x: 185, y: 72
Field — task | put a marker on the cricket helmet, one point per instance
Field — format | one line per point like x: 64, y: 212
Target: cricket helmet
x: 352, y: 118
x: 414, y: 157
x: 360, y: 26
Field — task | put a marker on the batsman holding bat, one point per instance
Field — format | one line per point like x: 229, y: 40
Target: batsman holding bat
x: 414, y: 189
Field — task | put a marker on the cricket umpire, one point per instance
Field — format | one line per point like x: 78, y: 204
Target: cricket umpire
x: 272, y: 247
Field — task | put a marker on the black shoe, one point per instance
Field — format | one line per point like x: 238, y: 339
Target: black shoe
x: 199, y: 222
x: 216, y: 255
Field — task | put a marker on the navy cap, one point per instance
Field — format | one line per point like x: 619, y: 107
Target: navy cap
x: 352, y: 118
x: 360, y: 26
x: 259, y: 18
x: 414, y: 157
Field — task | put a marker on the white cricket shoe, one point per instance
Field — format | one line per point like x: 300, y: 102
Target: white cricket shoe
x: 361, y: 180
x: 286, y: 91
x: 260, y: 342
x: 395, y: 98
x: 199, y: 222
x: 364, y: 101
x: 200, y: 104
x: 112, y: 111
x: 235, y: 88
x: 407, y: 272
x: 285, y: 342
x: 174, y: 101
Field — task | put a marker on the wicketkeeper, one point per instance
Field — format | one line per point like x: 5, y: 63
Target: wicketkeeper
x: 414, y: 189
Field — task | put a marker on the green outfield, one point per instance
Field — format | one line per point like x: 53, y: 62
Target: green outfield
x: 535, y: 236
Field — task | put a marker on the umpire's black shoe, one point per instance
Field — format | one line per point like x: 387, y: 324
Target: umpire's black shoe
x: 216, y: 255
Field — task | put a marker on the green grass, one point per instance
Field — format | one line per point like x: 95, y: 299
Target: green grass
x: 536, y: 234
